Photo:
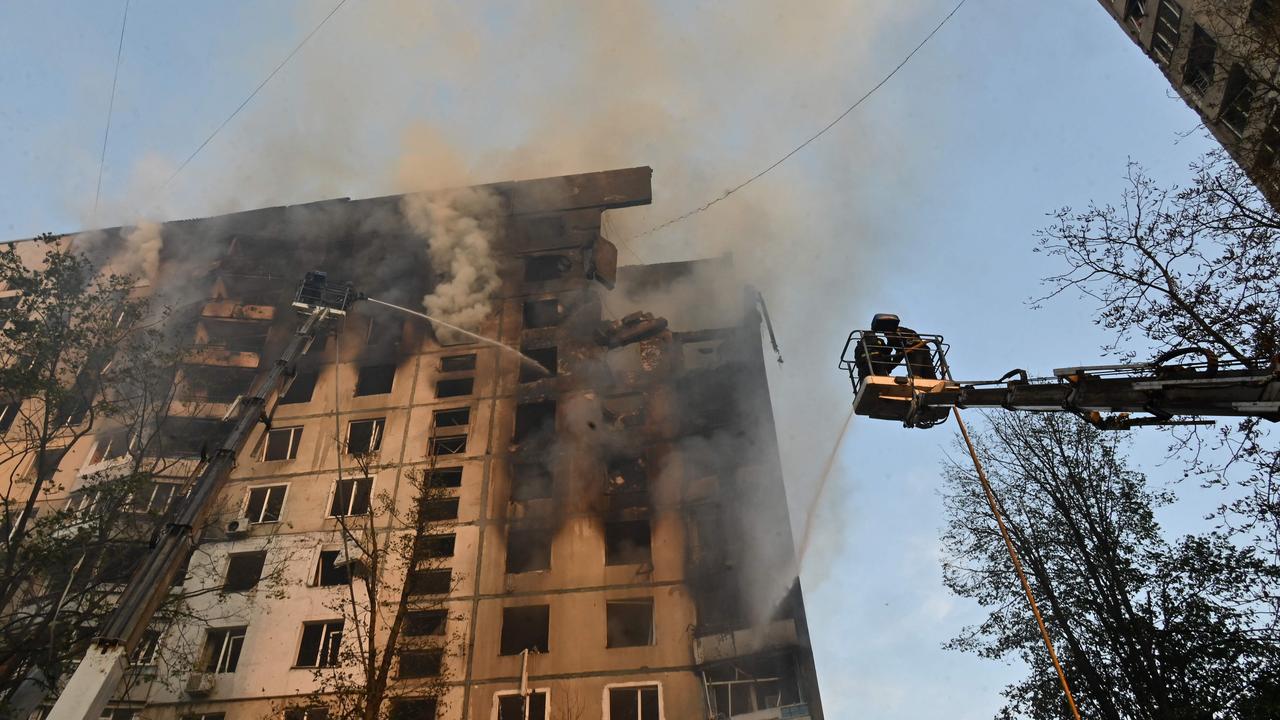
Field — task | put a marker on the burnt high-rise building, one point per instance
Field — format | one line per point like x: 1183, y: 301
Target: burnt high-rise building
x: 602, y: 522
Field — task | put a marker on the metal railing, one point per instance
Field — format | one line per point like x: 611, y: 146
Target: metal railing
x: 894, y: 354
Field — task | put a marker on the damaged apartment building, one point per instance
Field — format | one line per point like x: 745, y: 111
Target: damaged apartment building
x: 609, y: 524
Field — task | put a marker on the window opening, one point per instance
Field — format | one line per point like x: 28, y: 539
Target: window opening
x: 546, y: 359
x: 528, y: 551
x: 302, y: 388
x: 147, y: 648
x: 243, y: 571
x: 626, y: 475
x: 420, y: 663
x: 266, y: 503
x: 525, y: 628
x: 443, y: 509
x: 750, y: 685
x: 223, y: 647
x: 155, y: 498
x: 1237, y: 101
x: 8, y: 413
x: 530, y: 481
x: 282, y: 443
x: 1197, y: 74
x: 320, y: 644
x: 626, y: 542
x: 639, y: 702
x: 541, y: 268
x: 430, y: 582
x: 454, y: 387
x: 541, y: 313
x: 365, y: 436
x: 434, y: 546
x: 315, y: 712
x: 328, y: 572
x: 458, y: 363
x: 533, y: 418
x: 375, y: 379
x: 448, y: 445
x: 351, y: 496
x: 511, y: 707
x: 1164, y: 39
x: 454, y: 417
x: 450, y: 477
x: 420, y: 623
x: 629, y: 623
x: 110, y: 446
x: 413, y: 709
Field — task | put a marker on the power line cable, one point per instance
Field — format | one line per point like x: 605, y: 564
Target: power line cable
x: 815, y: 136
x: 254, y: 94
x: 111, y: 105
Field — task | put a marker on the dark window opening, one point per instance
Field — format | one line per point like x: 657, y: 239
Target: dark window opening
x: 750, y: 685
x: 525, y: 628
x: 328, y: 572
x: 534, y: 418
x: 434, y: 546
x: 1134, y: 11
x: 365, y: 436
x: 186, y: 437
x: 214, y: 384
x: 511, y: 707
x: 626, y: 475
x: 301, y: 389
x: 528, y: 551
x: 148, y: 646
x: 413, y: 709
x: 419, y: 623
x: 455, y: 417
x: 448, y: 445
x: 222, y: 649
x: 546, y: 364
x: 430, y: 582
x: 282, y: 444
x: 420, y: 663
x: 375, y: 379
x: 455, y: 387
x: 320, y: 644
x: 243, y: 571
x: 8, y: 413
x: 639, y: 702
x: 351, y: 497
x: 458, y: 363
x: 266, y: 503
x: 1197, y: 74
x: 314, y: 712
x: 541, y: 313
x: 629, y: 622
x: 119, y: 562
x: 1164, y: 39
x: 109, y: 446
x: 531, y: 481
x: 541, y: 268
x: 626, y: 542
x: 442, y: 509
x: 1237, y: 101
x: 450, y: 477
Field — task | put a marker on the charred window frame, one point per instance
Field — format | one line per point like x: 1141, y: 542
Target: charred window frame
x: 424, y: 623
x: 301, y: 389
x: 351, y: 496
x: 244, y: 570
x: 511, y: 705
x: 454, y: 387
x: 547, y: 364
x: 541, y: 313
x: 222, y: 649
x: 1168, y: 30
x: 281, y: 444
x: 528, y: 550
x: 430, y: 582
x: 1197, y: 73
x: 319, y: 645
x: 627, y: 474
x: 375, y: 380
x: 265, y: 504
x: 431, y: 547
x: 629, y: 622
x: 420, y: 663
x: 627, y: 542
x: 364, y: 437
x: 328, y: 573
x: 530, y: 481
x: 534, y: 418
x: 525, y: 627
x: 458, y: 363
x: 545, y: 268
x: 449, y: 477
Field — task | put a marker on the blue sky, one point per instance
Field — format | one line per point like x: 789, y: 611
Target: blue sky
x: 923, y: 202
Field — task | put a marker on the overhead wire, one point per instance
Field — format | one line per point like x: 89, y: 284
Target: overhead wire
x: 253, y: 94
x: 111, y: 105
x: 708, y: 205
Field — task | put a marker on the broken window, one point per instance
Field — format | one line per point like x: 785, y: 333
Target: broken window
x: 1164, y: 39
x: 282, y: 443
x: 629, y: 623
x: 528, y: 551
x: 8, y: 413
x: 328, y: 572
x: 434, y: 546
x: 375, y: 379
x: 301, y: 389
x: 243, y: 571
x: 626, y: 542
x: 110, y: 446
x: 1197, y: 74
x: 420, y: 623
x: 634, y: 702
x: 145, y: 651
x: 430, y: 582
x: 1134, y: 11
x: 541, y: 268
x: 365, y: 436
x: 450, y: 477
x: 155, y: 497
x: 442, y: 509
x: 1237, y: 101
x: 534, y: 418
x: 222, y: 649
x: 511, y: 707
x: 458, y: 363
x: 453, y: 417
x: 421, y: 708
x: 525, y: 628
x: 448, y: 445
x: 454, y: 388
x: 198, y: 437
x: 530, y: 481
x: 541, y: 313
x: 546, y: 364
x: 265, y: 503
x: 749, y: 685
x: 214, y: 384
x: 420, y: 663
x: 626, y: 475
x: 320, y: 644
x: 351, y: 497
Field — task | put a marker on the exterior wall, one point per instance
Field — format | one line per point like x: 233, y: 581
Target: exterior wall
x: 578, y: 669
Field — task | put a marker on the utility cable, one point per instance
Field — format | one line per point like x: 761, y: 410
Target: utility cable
x: 1017, y: 564
x: 111, y: 104
x: 254, y: 94
x: 815, y: 136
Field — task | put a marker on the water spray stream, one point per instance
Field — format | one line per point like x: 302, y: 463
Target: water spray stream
x: 821, y: 490
x: 523, y: 358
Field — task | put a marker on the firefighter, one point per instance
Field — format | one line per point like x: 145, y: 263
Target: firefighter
x: 913, y: 352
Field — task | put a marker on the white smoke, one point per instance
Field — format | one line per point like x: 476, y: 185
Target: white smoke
x: 140, y: 254
x: 460, y: 227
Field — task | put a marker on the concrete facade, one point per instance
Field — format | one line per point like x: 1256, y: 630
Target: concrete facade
x: 655, y: 437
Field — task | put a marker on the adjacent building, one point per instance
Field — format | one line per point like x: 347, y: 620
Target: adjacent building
x: 607, y: 527
x: 1222, y: 57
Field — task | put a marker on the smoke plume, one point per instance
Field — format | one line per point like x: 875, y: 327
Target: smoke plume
x: 460, y: 227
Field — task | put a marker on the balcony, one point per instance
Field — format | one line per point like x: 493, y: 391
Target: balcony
x: 229, y: 310
x: 748, y: 641
x: 220, y: 356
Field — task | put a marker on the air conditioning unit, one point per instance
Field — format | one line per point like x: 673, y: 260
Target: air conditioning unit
x: 200, y: 684
x: 237, y: 527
